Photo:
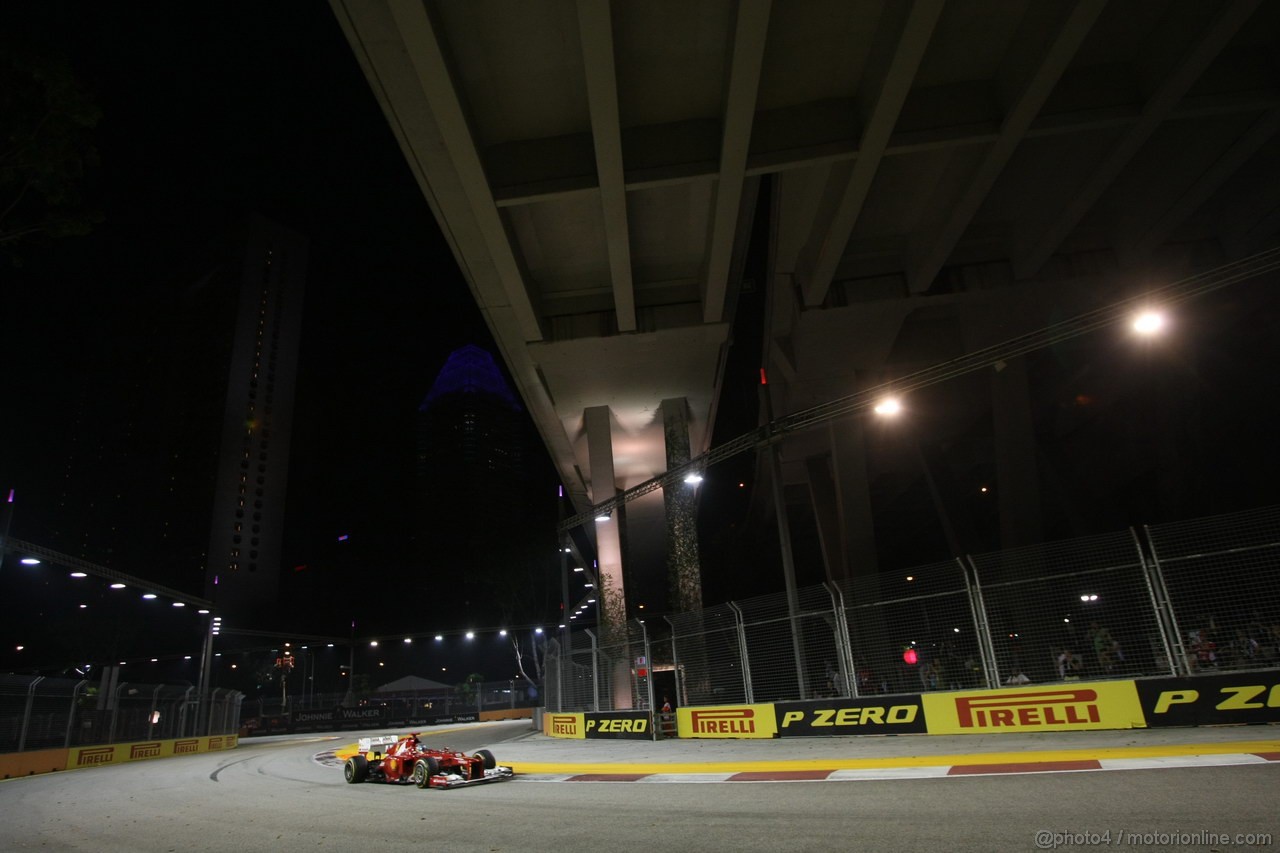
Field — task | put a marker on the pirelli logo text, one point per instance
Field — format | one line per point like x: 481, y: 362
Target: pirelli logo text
x: 96, y: 755
x: 727, y: 721
x: 144, y: 750
x: 186, y: 747
x: 733, y: 721
x: 564, y: 725
x: 215, y: 743
x: 1049, y: 708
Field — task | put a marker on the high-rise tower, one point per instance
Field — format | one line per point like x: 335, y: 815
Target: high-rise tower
x: 243, y: 560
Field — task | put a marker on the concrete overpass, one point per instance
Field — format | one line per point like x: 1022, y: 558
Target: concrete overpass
x: 923, y: 179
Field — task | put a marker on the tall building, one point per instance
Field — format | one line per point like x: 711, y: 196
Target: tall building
x: 477, y: 532
x: 470, y: 444
x: 242, y: 573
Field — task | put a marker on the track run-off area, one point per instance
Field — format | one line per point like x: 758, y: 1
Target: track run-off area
x: 1215, y: 792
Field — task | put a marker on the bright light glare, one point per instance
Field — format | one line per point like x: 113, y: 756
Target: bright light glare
x: 693, y: 479
x: 888, y: 407
x: 117, y: 586
x: 471, y: 635
x: 79, y: 575
x: 29, y: 561
x: 1148, y: 323
x: 149, y: 596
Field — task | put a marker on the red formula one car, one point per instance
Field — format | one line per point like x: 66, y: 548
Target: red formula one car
x: 406, y: 759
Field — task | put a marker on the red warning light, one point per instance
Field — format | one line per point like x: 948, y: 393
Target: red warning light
x: 911, y: 657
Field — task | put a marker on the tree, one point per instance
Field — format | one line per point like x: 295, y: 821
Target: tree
x: 46, y: 123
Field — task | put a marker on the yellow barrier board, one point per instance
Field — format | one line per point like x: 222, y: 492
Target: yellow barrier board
x: 1044, y: 708
x: 727, y: 721
x: 119, y: 753
x: 565, y: 725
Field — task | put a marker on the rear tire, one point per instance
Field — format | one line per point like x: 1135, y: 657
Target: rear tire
x: 356, y: 769
x: 487, y: 758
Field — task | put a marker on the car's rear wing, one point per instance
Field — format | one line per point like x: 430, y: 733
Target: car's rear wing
x: 376, y: 745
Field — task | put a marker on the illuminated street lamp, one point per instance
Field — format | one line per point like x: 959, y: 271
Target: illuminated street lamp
x: 888, y: 407
x: 1148, y: 323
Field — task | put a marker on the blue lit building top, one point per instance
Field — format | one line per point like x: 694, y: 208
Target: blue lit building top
x: 470, y: 370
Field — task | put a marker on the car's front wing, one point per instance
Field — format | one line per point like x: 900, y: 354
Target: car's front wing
x: 456, y: 780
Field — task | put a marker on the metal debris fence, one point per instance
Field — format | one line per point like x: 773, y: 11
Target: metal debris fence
x: 1172, y: 599
x: 52, y: 713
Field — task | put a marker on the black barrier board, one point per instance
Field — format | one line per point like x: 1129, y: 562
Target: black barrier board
x: 1211, y: 700
x: 619, y: 725
x: 359, y: 717
x: 867, y: 715
x: 313, y: 721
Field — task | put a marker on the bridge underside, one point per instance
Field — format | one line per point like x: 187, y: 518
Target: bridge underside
x: 934, y: 177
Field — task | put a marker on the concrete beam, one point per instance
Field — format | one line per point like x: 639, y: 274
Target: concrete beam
x: 424, y: 51
x: 750, y: 35
x: 1185, y: 71
x: 595, y: 26
x: 1205, y: 186
x: 1056, y: 43
x: 817, y: 263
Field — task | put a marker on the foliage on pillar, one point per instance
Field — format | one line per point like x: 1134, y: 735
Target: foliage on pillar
x: 613, y: 610
x: 684, y: 572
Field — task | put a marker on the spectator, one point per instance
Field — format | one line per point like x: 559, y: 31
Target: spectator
x: 1204, y: 651
x: 1018, y: 677
x: 1105, y: 647
x: 1069, y: 666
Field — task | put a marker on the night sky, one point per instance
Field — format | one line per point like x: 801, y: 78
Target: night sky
x: 215, y: 111
x: 210, y: 113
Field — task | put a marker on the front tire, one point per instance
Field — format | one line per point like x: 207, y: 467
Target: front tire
x: 356, y: 769
x: 424, y: 769
x: 487, y: 758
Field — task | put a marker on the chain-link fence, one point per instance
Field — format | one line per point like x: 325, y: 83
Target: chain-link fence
x: 1176, y: 599
x: 50, y: 713
x: 596, y: 675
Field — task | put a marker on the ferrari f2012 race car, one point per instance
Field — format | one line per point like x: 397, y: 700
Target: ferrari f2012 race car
x: 406, y: 759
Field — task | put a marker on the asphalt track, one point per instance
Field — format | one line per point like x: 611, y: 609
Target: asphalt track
x: 1197, y: 789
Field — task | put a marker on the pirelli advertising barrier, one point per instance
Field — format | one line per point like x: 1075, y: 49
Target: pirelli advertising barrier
x: 1212, y: 700
x: 1246, y: 697
x: 616, y: 725
x: 120, y: 753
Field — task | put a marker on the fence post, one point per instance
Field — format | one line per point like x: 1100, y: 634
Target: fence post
x: 648, y: 659
x: 1170, y: 633
x: 675, y: 662
x: 115, y: 712
x: 747, y: 692
x: 595, y: 671
x: 844, y: 647
x: 71, y: 714
x: 978, y: 607
x: 26, y: 713
x: 182, y: 715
